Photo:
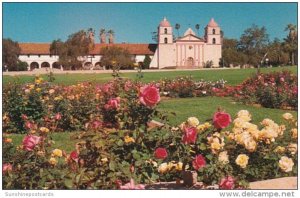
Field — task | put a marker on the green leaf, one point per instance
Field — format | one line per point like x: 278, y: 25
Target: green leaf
x: 112, y: 166
x: 68, y: 183
x: 120, y: 143
x: 202, y: 147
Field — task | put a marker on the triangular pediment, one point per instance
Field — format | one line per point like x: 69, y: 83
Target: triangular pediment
x: 190, y: 37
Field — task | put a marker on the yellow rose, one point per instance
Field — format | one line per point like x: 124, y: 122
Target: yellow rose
x: 244, y: 115
x: 31, y: 86
x: 193, y: 121
x: 163, y: 168
x: 267, y: 122
x: 286, y: 164
x: 279, y: 149
x: 250, y: 145
x: 294, y: 133
x: 38, y: 89
x: 52, y: 161
x: 292, y: 148
x: 179, y: 166
x: 7, y: 140
x: 287, y: 116
x: 242, y: 160
x: 44, y: 129
x: 171, y: 165
x: 128, y: 139
x: 57, y: 153
x: 223, y: 157
x: 51, y: 91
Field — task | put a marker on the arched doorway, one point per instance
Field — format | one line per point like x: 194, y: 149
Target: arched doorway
x: 190, y: 62
x: 87, y: 65
x: 56, y: 65
x: 34, y: 65
x: 45, y: 64
x: 98, y: 66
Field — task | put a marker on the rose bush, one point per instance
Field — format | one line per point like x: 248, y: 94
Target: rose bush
x: 119, y: 147
x: 273, y: 90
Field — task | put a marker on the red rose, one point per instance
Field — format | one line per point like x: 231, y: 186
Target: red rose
x: 6, y: 168
x: 227, y: 183
x: 161, y: 153
x: 74, y: 156
x: 199, y: 162
x: 149, y: 95
x: 30, y: 141
x: 190, y: 135
x: 221, y: 120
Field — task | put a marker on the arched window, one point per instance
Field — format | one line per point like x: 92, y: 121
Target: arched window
x: 214, y: 41
x: 166, y: 31
x: 214, y: 31
x: 166, y: 40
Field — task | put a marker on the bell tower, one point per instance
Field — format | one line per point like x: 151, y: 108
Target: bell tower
x: 213, y: 33
x: 165, y: 32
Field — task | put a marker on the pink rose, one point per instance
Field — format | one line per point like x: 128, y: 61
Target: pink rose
x: 57, y: 116
x: 30, y: 141
x: 29, y: 125
x: 160, y: 153
x: 149, y: 95
x: 221, y: 120
x: 199, y: 162
x: 132, y: 186
x: 295, y: 90
x: 6, y: 168
x: 190, y: 135
x: 227, y: 183
x: 96, y: 124
x: 113, y: 103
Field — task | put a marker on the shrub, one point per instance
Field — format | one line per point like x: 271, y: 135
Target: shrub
x: 273, y: 90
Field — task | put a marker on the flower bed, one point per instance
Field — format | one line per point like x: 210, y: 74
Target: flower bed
x: 118, y: 150
x: 273, y: 90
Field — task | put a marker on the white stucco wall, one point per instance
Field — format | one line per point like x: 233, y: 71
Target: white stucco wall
x: 214, y: 53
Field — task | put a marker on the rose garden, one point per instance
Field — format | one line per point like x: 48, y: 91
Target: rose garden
x: 119, y: 134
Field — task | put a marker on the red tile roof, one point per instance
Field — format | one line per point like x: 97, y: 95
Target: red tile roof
x: 44, y: 48
x: 35, y: 48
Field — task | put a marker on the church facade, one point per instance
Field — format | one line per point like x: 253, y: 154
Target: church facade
x: 188, y: 51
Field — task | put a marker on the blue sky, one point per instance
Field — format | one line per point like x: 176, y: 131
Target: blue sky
x: 134, y: 22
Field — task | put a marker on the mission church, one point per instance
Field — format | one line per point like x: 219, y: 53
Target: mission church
x: 188, y: 51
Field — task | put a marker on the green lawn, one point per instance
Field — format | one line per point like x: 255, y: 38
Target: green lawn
x: 202, y: 108
x: 233, y: 76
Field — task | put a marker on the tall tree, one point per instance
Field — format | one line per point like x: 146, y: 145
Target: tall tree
x: 10, y: 52
x: 197, y: 26
x: 102, y: 35
x: 231, y: 55
x: 253, y: 42
x: 276, y: 53
x: 177, y: 27
x: 291, y: 43
x: 111, y: 34
x: 72, y: 53
x: 116, y: 58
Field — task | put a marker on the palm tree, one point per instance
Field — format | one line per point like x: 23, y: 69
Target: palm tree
x: 102, y: 35
x: 197, y: 26
x: 291, y: 44
x: 177, y: 27
x: 111, y: 34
